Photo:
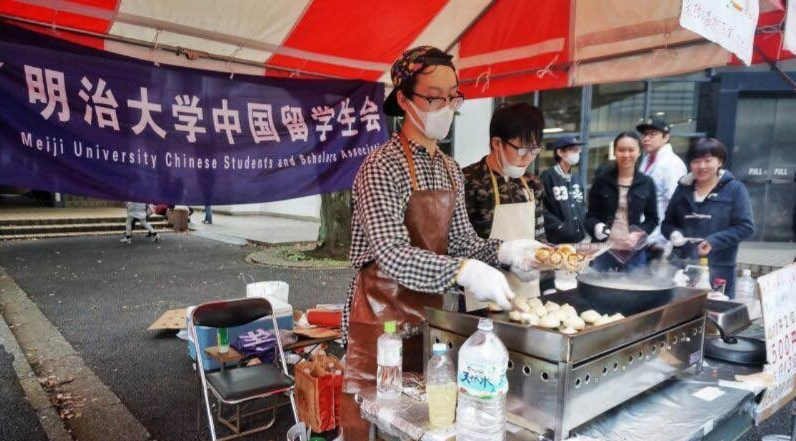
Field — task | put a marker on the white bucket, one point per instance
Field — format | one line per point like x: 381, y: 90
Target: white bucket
x: 270, y: 290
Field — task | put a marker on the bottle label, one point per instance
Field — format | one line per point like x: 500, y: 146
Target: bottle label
x: 482, y: 380
x: 390, y: 353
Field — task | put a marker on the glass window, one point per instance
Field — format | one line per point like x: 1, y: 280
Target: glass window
x: 561, y: 109
x: 680, y: 146
x: 677, y: 103
x: 545, y: 159
x: 617, y: 107
x: 600, y: 155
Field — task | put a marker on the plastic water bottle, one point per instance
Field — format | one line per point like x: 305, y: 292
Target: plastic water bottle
x: 704, y: 275
x: 481, y: 413
x: 389, y: 378
x: 746, y: 293
x: 441, y: 387
x: 223, y: 340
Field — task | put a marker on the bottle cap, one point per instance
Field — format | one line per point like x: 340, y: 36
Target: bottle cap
x: 389, y: 327
x: 485, y: 324
x: 747, y: 272
x: 439, y: 348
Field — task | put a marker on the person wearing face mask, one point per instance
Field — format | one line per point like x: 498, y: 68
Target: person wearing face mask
x: 710, y: 213
x: 503, y: 199
x: 564, y: 210
x: 412, y: 244
x: 620, y: 199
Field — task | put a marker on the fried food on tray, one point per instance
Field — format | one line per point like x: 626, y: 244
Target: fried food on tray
x: 566, y: 249
x: 542, y: 255
x: 556, y: 259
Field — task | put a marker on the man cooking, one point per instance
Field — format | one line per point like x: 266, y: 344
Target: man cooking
x: 665, y: 168
x: 412, y: 241
x: 504, y: 200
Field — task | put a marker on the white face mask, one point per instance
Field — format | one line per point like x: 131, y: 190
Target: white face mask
x: 512, y: 171
x: 436, y: 124
x: 572, y: 159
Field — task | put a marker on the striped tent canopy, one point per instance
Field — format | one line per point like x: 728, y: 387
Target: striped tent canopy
x: 501, y: 47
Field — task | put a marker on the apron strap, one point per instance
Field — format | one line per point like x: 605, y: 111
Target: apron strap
x: 411, y: 162
x: 496, y: 193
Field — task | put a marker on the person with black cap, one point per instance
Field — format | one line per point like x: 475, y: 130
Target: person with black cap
x: 412, y: 242
x: 565, y: 212
x: 665, y: 168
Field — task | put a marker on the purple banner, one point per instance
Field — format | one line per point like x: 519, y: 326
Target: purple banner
x: 81, y: 121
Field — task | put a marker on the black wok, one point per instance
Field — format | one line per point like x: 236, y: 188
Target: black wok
x: 625, y: 293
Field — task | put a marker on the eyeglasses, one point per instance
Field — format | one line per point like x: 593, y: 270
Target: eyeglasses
x: 522, y: 151
x: 438, y: 102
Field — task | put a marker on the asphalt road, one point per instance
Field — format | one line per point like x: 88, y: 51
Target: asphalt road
x: 102, y: 295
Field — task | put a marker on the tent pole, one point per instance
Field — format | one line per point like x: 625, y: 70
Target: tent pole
x: 470, y: 25
x: 773, y: 65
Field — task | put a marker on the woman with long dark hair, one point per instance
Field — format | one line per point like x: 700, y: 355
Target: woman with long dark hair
x: 620, y: 199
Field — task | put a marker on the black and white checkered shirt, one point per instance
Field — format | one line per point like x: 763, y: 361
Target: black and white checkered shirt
x: 380, y: 197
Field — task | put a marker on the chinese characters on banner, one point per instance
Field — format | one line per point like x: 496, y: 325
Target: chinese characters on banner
x: 729, y: 23
x: 779, y: 319
x: 81, y: 121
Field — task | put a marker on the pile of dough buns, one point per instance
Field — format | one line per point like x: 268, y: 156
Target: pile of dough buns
x: 551, y: 315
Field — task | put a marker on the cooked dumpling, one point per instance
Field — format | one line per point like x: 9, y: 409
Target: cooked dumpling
x: 524, y: 307
x: 535, y: 302
x: 603, y: 320
x: 590, y: 316
x: 494, y: 307
x: 575, y: 323
x: 515, y: 316
x: 552, y: 306
x: 530, y: 318
x: 561, y: 314
x: 549, y: 321
x: 541, y: 311
x: 567, y: 330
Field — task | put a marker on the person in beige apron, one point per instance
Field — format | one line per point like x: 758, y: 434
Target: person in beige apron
x: 411, y: 238
x: 500, y: 202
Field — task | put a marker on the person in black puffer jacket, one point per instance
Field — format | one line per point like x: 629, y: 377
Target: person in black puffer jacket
x: 620, y: 199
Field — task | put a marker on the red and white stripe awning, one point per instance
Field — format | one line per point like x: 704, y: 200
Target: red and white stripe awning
x: 502, y: 47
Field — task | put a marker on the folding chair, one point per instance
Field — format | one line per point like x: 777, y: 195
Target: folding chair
x: 242, y: 384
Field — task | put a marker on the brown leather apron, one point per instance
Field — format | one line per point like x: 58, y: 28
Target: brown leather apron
x: 378, y: 299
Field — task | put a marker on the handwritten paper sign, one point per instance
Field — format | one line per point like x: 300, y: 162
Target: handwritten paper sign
x: 777, y: 291
x: 729, y: 23
x: 790, y: 28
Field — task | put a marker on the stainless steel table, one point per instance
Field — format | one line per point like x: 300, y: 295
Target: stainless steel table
x: 669, y: 412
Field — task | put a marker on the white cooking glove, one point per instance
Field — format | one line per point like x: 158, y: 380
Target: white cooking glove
x: 486, y: 283
x: 677, y: 239
x: 517, y: 252
x: 601, y: 231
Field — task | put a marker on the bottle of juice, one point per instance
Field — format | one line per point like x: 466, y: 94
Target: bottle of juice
x: 441, y: 387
